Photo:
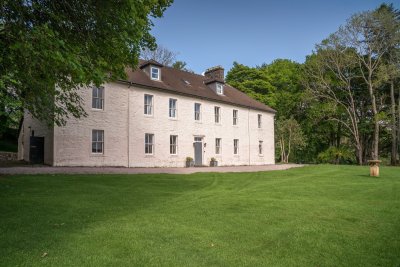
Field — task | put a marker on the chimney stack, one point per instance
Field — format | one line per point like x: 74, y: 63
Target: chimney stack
x: 215, y: 74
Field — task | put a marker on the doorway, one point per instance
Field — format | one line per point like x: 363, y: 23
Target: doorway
x: 198, y: 151
x: 36, y: 150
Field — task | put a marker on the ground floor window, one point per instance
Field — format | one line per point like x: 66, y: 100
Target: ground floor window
x: 260, y: 147
x: 149, y: 143
x: 235, y: 146
x: 173, y: 144
x: 98, y: 141
x: 217, y: 145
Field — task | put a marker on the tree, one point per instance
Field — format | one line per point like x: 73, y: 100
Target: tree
x: 160, y: 54
x: 367, y: 34
x: 331, y: 75
x: 289, y: 136
x: 181, y: 65
x: 50, y: 49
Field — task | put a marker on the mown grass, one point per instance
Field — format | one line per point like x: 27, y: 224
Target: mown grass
x: 312, y: 216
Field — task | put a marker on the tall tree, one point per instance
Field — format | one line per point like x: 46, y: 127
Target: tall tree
x: 50, y: 49
x: 160, y: 54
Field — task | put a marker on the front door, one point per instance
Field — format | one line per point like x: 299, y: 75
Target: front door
x: 198, y: 151
x: 36, y: 150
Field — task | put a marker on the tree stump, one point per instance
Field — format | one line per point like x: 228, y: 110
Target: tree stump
x: 374, y: 167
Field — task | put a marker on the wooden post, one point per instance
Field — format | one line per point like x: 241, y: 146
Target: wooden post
x: 374, y: 167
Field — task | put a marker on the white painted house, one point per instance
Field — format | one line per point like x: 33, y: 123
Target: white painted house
x: 158, y: 116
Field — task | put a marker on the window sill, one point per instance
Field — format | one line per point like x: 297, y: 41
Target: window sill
x: 98, y: 109
x: 148, y: 116
x: 199, y: 122
x: 97, y: 154
x: 172, y: 119
x: 149, y: 155
x: 173, y: 155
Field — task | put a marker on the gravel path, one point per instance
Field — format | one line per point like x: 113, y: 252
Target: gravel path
x: 122, y: 170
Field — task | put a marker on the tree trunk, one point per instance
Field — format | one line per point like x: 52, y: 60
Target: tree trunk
x: 393, y: 155
x: 375, y: 149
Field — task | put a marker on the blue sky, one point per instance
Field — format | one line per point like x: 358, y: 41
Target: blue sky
x: 211, y: 32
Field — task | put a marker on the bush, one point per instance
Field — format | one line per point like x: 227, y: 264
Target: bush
x: 337, y: 155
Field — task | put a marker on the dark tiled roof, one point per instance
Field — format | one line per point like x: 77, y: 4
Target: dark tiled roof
x: 190, y: 84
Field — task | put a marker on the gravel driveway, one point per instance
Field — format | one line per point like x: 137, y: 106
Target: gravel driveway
x: 122, y: 170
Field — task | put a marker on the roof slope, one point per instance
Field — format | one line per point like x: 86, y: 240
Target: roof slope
x: 186, y: 83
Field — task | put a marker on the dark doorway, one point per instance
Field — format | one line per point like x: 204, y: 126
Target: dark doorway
x: 36, y: 150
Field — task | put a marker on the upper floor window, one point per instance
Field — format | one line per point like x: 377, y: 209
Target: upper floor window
x: 98, y: 97
x: 173, y: 144
x: 217, y: 114
x: 197, y: 111
x: 260, y: 147
x: 97, y: 141
x: 148, y: 104
x: 149, y: 143
x: 235, y: 117
x: 235, y: 146
x: 220, y: 89
x: 217, y: 145
x: 259, y: 120
x: 155, y: 73
x: 172, y: 108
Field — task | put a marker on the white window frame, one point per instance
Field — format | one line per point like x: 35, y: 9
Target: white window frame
x: 236, y: 146
x: 157, y: 73
x: 218, y: 146
x: 172, y: 110
x: 217, y: 114
x: 235, y: 116
x: 98, y: 141
x: 259, y: 118
x: 197, y: 114
x: 148, y: 107
x: 149, y: 144
x: 260, y: 147
x: 98, y: 100
x: 220, y: 88
x: 173, y: 145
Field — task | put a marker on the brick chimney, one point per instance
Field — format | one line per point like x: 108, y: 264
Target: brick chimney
x: 215, y: 74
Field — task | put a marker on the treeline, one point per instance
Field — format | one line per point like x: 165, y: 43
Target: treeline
x: 342, y: 105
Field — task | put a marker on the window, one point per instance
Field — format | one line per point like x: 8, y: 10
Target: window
x: 260, y: 147
x: 217, y: 145
x: 149, y: 143
x: 97, y: 97
x: 217, y: 114
x: 172, y: 108
x: 148, y: 104
x: 173, y: 144
x: 235, y: 146
x: 259, y: 120
x: 220, y: 89
x: 97, y: 141
x: 197, y: 111
x: 155, y: 73
x: 235, y: 117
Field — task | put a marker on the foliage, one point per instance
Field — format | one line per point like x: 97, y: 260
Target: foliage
x: 50, y: 49
x: 337, y: 155
x: 289, y: 136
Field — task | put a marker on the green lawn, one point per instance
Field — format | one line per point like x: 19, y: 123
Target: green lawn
x: 312, y: 216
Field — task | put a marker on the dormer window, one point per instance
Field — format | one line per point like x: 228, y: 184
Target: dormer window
x: 220, y: 89
x: 155, y: 73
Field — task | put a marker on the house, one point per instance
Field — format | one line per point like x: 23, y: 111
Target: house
x: 157, y: 117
